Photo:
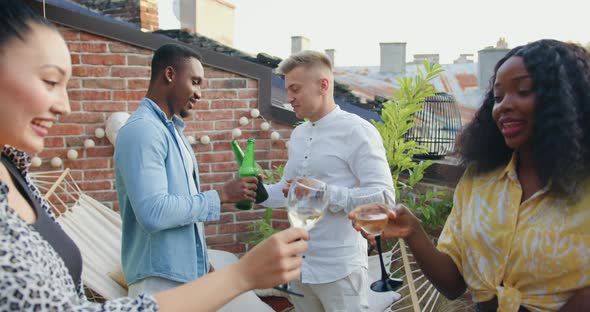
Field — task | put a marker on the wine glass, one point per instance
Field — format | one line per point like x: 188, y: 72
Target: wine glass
x: 307, y: 201
x: 372, y: 205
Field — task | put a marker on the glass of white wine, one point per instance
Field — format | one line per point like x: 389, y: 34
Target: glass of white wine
x: 372, y: 205
x: 307, y: 201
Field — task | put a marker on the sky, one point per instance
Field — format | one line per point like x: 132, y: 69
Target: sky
x: 446, y: 27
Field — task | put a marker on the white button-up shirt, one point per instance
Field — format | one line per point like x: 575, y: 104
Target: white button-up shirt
x: 346, y: 152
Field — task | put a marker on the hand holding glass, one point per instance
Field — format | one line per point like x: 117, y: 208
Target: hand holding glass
x: 307, y: 201
x: 372, y: 205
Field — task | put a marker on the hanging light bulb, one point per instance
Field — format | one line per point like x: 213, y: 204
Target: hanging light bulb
x: 265, y: 126
x: 99, y: 133
x: 275, y: 136
x: 88, y: 143
x: 191, y: 139
x: 205, y: 139
x: 56, y: 162
x: 243, y: 121
x: 254, y: 113
x: 236, y: 133
x: 72, y: 154
x: 36, y: 161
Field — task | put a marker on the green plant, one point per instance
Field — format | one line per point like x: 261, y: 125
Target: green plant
x: 432, y: 207
x: 398, y: 118
x: 262, y: 229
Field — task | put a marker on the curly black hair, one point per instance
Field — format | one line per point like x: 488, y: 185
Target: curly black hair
x: 561, y: 137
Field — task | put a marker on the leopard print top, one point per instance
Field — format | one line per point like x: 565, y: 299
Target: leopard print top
x: 33, y: 277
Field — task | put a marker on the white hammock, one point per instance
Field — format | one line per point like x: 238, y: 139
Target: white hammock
x: 96, y: 230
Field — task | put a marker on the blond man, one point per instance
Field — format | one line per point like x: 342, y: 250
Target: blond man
x: 347, y: 153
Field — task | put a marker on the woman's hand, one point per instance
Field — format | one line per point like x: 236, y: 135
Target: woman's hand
x: 274, y: 261
x: 401, y: 224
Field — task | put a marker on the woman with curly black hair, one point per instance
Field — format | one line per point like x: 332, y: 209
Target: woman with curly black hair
x: 519, y: 233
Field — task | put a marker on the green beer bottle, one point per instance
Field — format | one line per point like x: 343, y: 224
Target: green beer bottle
x: 261, y: 193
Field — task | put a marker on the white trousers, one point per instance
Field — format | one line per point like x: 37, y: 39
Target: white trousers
x: 344, y: 295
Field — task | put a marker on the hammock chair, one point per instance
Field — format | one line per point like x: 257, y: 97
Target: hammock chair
x: 96, y: 230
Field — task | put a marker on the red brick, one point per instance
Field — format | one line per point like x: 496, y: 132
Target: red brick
x: 249, y: 215
x: 130, y: 72
x: 87, y: 47
x: 202, y: 148
x: 54, y: 142
x: 220, y: 239
x: 105, y: 174
x: 253, y: 103
x: 280, y: 225
x: 199, y: 125
x: 70, y: 34
x: 234, y: 227
x: 252, y: 84
x: 204, y: 168
x: 234, y: 248
x: 90, y: 37
x: 75, y: 58
x: 128, y: 95
x: 139, y: 60
x: 123, y: 47
x: 215, y: 157
x: 65, y: 130
x: 104, y: 196
x: 89, y: 163
x: 223, y: 146
x: 138, y: 83
x: 226, y: 218
x: 226, y: 124
x: 89, y: 95
x: 95, y: 186
x: 132, y: 106
x: 201, y: 105
x: 82, y: 118
x: 248, y: 94
x: 280, y: 214
x: 85, y: 71
x: 210, y: 229
x: 50, y: 153
x: 216, y: 177
x: 103, y: 59
x: 101, y: 151
x: 104, y: 83
x: 224, y: 167
x: 214, y: 115
x: 74, y: 84
x: 227, y: 83
x: 98, y: 106
x: 226, y: 94
x: 214, y: 73
x: 224, y: 104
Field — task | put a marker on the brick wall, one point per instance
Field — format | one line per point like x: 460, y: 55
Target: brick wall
x: 110, y: 76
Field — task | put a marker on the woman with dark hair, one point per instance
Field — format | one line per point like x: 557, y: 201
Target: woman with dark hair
x: 40, y: 267
x: 519, y: 233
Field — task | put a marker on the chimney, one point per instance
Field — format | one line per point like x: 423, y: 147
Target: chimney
x: 487, y: 59
x: 299, y: 43
x: 464, y: 58
x: 213, y: 19
x: 142, y: 13
x: 430, y: 58
x: 331, y: 53
x: 393, y: 57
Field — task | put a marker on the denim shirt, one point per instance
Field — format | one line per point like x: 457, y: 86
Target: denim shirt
x: 160, y: 215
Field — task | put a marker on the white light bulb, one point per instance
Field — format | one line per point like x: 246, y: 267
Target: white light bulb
x: 254, y: 113
x: 243, y: 121
x: 36, y: 161
x: 236, y: 133
x: 265, y: 126
x: 275, y: 136
x: 72, y: 154
x: 287, y: 144
x: 99, y: 133
x: 88, y: 143
x: 56, y: 162
x: 205, y: 139
x: 191, y: 139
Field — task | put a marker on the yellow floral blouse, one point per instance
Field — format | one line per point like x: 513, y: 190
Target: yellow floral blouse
x: 535, y: 254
